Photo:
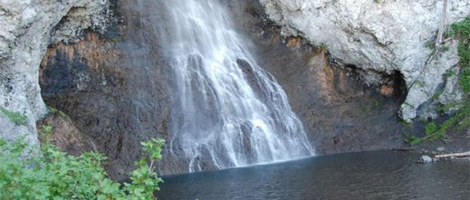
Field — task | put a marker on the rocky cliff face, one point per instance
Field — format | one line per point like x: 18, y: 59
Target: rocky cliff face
x: 28, y: 27
x: 115, y: 86
x: 382, y: 37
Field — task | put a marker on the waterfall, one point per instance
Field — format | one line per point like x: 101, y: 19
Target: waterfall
x: 228, y: 111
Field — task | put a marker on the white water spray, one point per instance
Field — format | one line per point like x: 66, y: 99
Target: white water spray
x: 229, y: 112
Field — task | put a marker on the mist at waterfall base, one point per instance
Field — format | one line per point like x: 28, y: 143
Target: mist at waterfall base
x: 361, y: 176
x: 228, y: 111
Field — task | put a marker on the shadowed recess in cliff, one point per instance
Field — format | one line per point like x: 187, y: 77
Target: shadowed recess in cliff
x: 228, y: 111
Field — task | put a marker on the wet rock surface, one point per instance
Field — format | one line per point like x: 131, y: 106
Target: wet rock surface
x: 112, y: 87
x: 340, y: 111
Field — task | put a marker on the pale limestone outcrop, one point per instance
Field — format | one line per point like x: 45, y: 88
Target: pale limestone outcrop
x: 381, y: 36
x: 28, y: 27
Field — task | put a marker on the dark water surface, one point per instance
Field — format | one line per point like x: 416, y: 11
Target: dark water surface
x: 367, y: 175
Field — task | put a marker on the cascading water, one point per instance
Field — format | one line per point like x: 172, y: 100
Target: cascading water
x: 229, y: 112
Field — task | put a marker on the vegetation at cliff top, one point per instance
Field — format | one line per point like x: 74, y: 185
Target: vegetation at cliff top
x: 56, y: 175
x: 461, y: 119
x: 16, y: 117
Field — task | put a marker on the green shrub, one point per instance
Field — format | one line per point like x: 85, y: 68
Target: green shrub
x: 56, y: 175
x: 461, y: 28
x: 54, y: 110
x: 462, y: 31
x: 430, y: 128
x: 464, y: 54
x: 16, y: 117
x: 414, y: 140
x: 465, y: 80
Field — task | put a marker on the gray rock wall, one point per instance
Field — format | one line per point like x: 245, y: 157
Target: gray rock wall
x: 380, y: 36
x: 27, y: 28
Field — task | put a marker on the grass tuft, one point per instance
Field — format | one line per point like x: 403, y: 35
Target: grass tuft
x: 16, y: 117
